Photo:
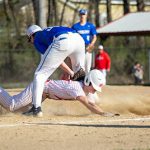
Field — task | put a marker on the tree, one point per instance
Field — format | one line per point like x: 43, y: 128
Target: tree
x: 94, y: 12
x: 42, y: 13
x: 109, y: 17
x: 52, y: 18
x: 140, y: 5
x: 63, y: 11
x: 126, y: 6
x: 97, y: 20
x: 40, y: 9
x: 35, y: 9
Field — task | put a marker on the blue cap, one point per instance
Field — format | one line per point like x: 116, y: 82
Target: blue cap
x: 83, y: 12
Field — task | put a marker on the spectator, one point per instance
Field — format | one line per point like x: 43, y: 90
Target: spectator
x: 102, y: 61
x: 138, y: 73
x: 88, y: 32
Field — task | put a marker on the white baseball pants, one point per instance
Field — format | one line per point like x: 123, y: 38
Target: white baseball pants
x: 18, y: 101
x: 104, y: 71
x: 88, y: 62
x: 66, y: 45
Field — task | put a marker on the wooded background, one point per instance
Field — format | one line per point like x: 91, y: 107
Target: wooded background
x: 19, y: 59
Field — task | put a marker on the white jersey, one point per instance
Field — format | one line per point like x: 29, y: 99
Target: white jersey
x: 62, y: 89
x: 59, y: 89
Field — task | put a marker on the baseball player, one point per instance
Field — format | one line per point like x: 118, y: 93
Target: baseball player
x: 59, y: 90
x: 55, y: 44
x: 88, y: 32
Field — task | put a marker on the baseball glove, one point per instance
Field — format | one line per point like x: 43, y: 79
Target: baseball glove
x: 79, y: 75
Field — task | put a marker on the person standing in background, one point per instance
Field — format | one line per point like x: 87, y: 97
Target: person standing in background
x: 138, y: 73
x: 102, y: 61
x: 88, y: 32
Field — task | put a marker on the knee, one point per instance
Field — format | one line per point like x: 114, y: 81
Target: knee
x: 39, y: 77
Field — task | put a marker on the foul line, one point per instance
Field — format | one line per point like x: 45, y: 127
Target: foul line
x: 72, y: 122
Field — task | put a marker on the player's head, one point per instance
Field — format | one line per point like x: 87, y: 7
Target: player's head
x: 100, y: 48
x: 32, y: 30
x: 83, y: 14
x: 96, y: 79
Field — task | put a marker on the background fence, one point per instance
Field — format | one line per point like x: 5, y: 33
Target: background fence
x: 17, y: 66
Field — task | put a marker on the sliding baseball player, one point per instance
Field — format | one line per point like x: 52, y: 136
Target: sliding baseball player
x: 59, y: 90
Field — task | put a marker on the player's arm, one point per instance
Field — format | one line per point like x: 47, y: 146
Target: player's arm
x: 92, y: 107
x: 108, y: 62
x: 65, y: 67
x: 93, y: 33
x: 91, y: 45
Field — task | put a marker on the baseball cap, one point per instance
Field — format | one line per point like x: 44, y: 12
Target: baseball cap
x: 32, y: 29
x: 100, y: 47
x: 83, y: 12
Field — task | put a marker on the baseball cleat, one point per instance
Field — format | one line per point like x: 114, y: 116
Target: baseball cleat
x: 37, y: 112
x: 79, y: 75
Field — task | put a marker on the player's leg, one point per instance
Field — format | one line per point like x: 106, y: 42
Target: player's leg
x: 104, y: 71
x: 6, y: 100
x: 78, y: 55
x: 88, y: 62
x: 52, y: 59
x: 24, y: 98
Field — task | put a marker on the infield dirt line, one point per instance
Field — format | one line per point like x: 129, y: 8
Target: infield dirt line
x: 42, y: 123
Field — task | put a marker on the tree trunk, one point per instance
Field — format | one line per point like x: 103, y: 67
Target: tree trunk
x: 10, y: 3
x: 52, y: 13
x: 97, y: 18
x: 42, y: 13
x: 140, y: 5
x: 40, y: 9
x: 63, y: 11
x: 35, y: 9
x: 126, y: 6
x: 91, y: 14
x: 9, y: 61
x: 109, y: 17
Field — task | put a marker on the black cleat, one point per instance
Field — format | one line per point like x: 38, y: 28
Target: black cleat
x: 37, y: 112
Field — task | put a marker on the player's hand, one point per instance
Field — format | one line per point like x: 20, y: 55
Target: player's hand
x: 65, y: 76
x: 90, y: 48
x: 108, y: 70
x: 109, y: 114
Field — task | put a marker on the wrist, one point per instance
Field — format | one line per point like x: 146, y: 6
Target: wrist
x: 72, y: 74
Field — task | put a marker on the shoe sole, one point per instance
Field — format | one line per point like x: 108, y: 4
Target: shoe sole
x: 28, y: 114
x: 39, y: 115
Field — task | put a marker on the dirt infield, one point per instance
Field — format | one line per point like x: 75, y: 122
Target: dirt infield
x: 67, y: 125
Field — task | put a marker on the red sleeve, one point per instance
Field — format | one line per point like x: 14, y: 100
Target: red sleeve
x: 108, y: 61
x: 96, y: 62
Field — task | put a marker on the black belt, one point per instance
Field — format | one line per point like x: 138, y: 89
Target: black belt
x: 64, y: 32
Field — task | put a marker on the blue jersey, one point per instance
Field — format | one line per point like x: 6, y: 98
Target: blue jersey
x: 44, y: 38
x: 86, y: 31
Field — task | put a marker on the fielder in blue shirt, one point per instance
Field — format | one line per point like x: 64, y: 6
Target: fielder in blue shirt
x: 55, y: 44
x: 88, y: 32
